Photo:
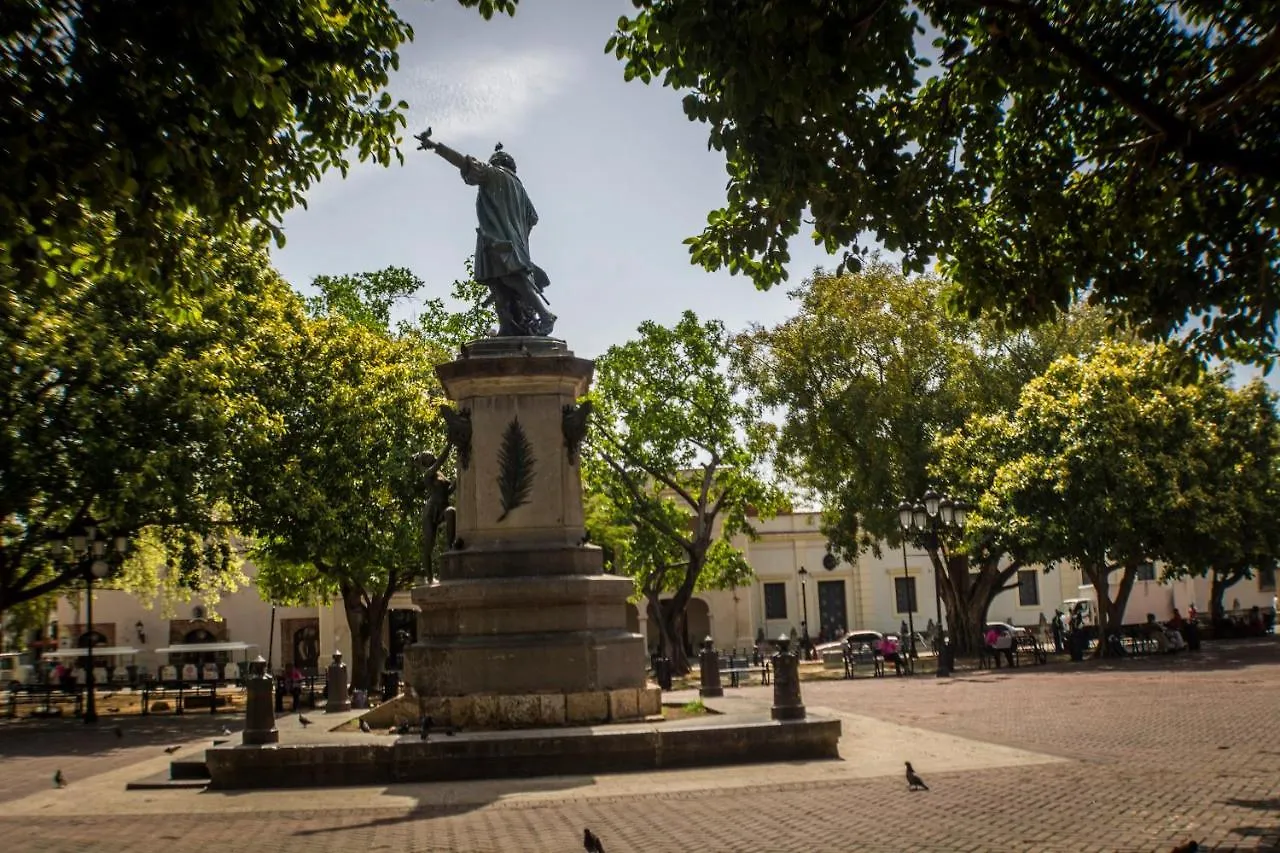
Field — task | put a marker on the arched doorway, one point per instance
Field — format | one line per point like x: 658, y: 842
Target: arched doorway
x: 94, y: 638
x: 697, y: 624
x: 199, y: 658
x: 306, y: 647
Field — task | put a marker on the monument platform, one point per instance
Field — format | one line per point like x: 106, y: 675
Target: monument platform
x: 523, y: 628
x: 379, y: 760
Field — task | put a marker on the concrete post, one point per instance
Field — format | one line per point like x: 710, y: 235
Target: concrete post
x: 339, y: 697
x: 786, y: 683
x: 710, y: 663
x: 259, y: 717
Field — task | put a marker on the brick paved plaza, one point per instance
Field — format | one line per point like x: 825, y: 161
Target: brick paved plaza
x: 1135, y: 755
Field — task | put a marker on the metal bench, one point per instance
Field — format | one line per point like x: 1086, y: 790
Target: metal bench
x: 736, y: 673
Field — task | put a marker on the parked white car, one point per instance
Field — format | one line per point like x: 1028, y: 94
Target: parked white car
x: 1007, y: 632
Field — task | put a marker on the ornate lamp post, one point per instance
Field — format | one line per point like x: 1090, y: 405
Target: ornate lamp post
x: 88, y: 547
x: 904, y: 521
x: 804, y: 611
x: 925, y: 519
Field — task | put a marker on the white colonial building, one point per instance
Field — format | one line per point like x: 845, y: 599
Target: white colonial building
x: 792, y: 587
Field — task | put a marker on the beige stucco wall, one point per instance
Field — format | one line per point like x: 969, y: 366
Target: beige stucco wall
x: 247, y: 618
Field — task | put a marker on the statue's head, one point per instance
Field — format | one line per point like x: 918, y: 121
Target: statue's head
x: 503, y: 159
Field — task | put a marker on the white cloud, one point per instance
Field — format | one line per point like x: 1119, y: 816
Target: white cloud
x: 475, y: 98
x: 465, y: 101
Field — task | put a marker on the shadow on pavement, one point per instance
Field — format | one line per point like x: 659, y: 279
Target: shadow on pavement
x: 431, y: 795
x: 71, y: 737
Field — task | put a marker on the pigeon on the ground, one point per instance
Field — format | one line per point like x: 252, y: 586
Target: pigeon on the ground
x: 914, y: 782
x: 305, y: 722
x: 591, y: 842
x: 226, y: 732
x: 170, y: 750
x: 59, y: 781
x: 365, y: 727
x: 1189, y: 847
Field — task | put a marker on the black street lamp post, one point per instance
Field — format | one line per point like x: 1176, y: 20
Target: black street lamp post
x: 89, y: 549
x: 804, y: 611
x: 904, y: 520
x: 926, y: 518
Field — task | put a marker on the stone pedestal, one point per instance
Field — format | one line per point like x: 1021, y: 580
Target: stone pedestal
x: 338, y: 697
x: 521, y: 607
x: 259, y: 717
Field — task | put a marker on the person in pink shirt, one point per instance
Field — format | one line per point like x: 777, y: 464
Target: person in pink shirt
x: 991, y: 639
x: 889, y: 650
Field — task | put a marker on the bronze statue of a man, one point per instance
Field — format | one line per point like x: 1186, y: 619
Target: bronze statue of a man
x: 506, y: 216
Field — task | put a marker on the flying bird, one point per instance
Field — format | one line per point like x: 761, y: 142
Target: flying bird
x: 170, y: 750
x: 305, y: 722
x: 365, y: 727
x: 591, y: 842
x: 59, y: 781
x: 914, y: 782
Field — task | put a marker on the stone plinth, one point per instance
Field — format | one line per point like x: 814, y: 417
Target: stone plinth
x: 535, y: 752
x: 521, y: 608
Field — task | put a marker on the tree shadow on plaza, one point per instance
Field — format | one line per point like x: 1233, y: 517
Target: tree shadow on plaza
x: 70, y: 736
x: 1271, y: 804
x: 441, y: 799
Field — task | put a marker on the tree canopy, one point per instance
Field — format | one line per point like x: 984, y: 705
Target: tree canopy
x: 1127, y: 152
x: 116, y: 415
x: 868, y: 376
x: 130, y: 117
x: 1125, y: 457
x: 675, y: 455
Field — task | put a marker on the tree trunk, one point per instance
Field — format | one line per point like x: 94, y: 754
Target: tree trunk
x: 377, y: 648
x: 674, y: 638
x: 966, y: 598
x: 358, y: 623
x: 1220, y: 582
x: 1217, y: 589
x: 1110, y: 612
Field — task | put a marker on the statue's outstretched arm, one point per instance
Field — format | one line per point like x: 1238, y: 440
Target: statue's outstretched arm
x: 453, y: 157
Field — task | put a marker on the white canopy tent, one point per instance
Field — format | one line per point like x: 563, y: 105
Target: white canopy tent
x: 98, y: 652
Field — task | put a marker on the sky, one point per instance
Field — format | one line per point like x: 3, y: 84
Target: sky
x: 617, y: 173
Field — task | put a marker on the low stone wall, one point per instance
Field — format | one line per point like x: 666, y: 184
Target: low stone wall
x: 547, y: 752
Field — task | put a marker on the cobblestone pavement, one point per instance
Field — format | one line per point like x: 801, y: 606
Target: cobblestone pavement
x: 1159, y: 751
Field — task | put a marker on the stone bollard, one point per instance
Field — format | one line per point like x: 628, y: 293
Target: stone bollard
x: 786, y: 683
x: 338, y: 698
x: 710, y: 663
x: 259, y: 718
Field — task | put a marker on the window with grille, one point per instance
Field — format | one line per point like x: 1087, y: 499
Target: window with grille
x: 775, y: 601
